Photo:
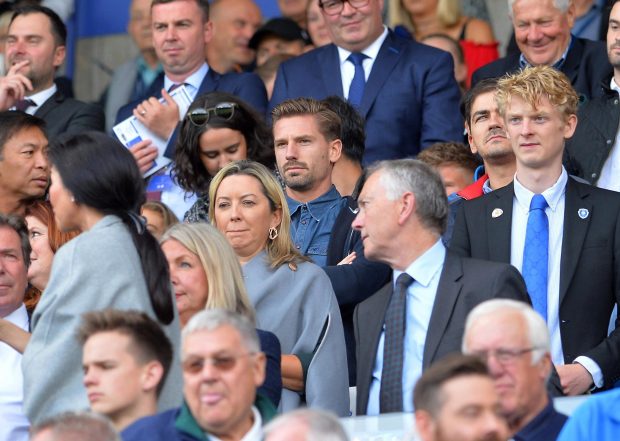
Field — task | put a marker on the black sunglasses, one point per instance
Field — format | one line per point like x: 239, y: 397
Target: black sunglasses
x: 201, y: 116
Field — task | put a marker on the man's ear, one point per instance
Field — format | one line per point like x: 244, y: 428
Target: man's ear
x: 152, y: 375
x: 335, y: 150
x: 424, y: 425
x: 406, y: 206
x: 59, y: 56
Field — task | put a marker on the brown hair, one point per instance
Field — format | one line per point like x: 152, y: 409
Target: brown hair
x: 42, y: 210
x: 442, y: 153
x: 327, y: 120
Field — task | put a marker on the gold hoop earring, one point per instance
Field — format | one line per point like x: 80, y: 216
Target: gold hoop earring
x: 273, y: 233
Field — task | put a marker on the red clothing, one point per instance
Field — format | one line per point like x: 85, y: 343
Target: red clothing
x: 477, y: 55
x: 474, y: 190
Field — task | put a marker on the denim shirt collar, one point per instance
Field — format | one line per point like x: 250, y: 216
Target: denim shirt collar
x: 318, y: 206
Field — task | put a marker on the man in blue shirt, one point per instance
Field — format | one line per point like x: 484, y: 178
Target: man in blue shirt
x: 515, y: 342
x: 307, y: 136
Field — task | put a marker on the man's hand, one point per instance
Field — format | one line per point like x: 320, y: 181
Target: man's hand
x: 144, y: 153
x: 13, y: 86
x: 575, y: 379
x: 159, y: 118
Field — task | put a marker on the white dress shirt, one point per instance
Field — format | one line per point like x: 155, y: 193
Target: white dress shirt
x: 347, y: 69
x: 610, y: 173
x: 426, y: 271
x: 39, y: 99
x: 13, y: 423
x: 556, y: 198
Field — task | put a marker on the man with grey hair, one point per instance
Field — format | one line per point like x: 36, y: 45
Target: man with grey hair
x: 514, y: 341
x: 222, y: 368
x: 305, y: 425
x: 14, y: 323
x: 419, y: 316
x: 74, y: 426
x: 543, y: 34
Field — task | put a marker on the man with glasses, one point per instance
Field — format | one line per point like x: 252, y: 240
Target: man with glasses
x: 405, y: 90
x: 222, y: 368
x: 514, y: 341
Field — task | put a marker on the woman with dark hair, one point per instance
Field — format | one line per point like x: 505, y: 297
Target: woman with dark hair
x: 218, y: 128
x: 114, y: 263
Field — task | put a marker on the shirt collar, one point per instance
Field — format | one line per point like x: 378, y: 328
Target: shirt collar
x: 486, y: 187
x: 194, y: 80
x: 19, y: 317
x: 254, y: 434
x: 371, y: 51
x: 552, y: 195
x: 40, y: 97
x: 523, y: 63
x: 424, y: 268
x: 537, y: 423
x: 316, y: 206
x: 614, y: 86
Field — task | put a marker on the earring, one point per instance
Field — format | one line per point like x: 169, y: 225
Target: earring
x: 273, y: 233
x: 73, y: 199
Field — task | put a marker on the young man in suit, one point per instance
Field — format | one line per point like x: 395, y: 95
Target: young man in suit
x: 543, y: 34
x: 564, y: 236
x: 35, y: 49
x: 405, y: 90
x: 419, y: 316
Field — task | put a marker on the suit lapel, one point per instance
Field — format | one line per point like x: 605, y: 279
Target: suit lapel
x: 573, y: 58
x: 448, y: 292
x: 388, y: 56
x: 329, y: 62
x: 209, y: 83
x: 575, y: 230
x: 498, y: 217
x: 49, y: 105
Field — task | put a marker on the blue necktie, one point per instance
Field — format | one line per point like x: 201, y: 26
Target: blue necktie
x: 391, y: 392
x: 536, y: 254
x: 356, y: 90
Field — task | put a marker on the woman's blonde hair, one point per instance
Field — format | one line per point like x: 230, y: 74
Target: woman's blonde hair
x: 226, y: 288
x: 281, y: 249
x: 448, y: 13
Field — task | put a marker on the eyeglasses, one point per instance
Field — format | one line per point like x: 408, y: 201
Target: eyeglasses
x: 503, y: 356
x: 201, y: 116
x: 222, y: 363
x: 335, y: 7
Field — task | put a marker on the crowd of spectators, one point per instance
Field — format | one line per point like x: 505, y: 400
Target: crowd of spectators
x: 371, y: 198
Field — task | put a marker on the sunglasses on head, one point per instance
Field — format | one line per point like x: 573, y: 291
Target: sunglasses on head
x: 201, y: 116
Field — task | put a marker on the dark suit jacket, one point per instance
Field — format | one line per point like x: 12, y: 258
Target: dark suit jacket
x: 464, y: 283
x: 272, y: 386
x: 586, y: 66
x: 246, y: 86
x: 66, y: 115
x: 352, y: 283
x: 589, y: 268
x: 411, y: 99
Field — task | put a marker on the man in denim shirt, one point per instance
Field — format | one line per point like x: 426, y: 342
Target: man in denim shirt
x: 307, y: 144
x: 307, y: 136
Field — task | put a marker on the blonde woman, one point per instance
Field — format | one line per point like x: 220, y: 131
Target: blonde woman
x: 293, y: 297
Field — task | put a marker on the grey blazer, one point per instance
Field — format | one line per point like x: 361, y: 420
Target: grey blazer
x: 99, y: 269
x: 119, y: 91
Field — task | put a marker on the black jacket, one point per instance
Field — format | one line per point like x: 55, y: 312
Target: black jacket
x: 594, y: 136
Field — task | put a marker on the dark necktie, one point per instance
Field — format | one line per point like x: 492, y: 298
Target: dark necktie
x: 22, y: 105
x: 356, y: 90
x: 175, y: 86
x: 391, y: 394
x: 536, y: 254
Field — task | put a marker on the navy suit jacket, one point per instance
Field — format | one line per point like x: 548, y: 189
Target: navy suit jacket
x: 411, y: 99
x: 586, y: 66
x: 246, y: 86
x: 589, y: 264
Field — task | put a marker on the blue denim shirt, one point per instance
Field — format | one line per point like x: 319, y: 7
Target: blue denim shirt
x: 312, y: 223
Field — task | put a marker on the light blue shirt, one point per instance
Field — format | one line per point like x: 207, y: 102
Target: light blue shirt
x: 426, y: 271
x: 192, y: 83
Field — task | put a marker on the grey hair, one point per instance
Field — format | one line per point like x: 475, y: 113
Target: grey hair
x: 562, y: 5
x: 319, y: 425
x: 77, y: 426
x: 538, y: 334
x: 410, y: 175
x: 211, y: 319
